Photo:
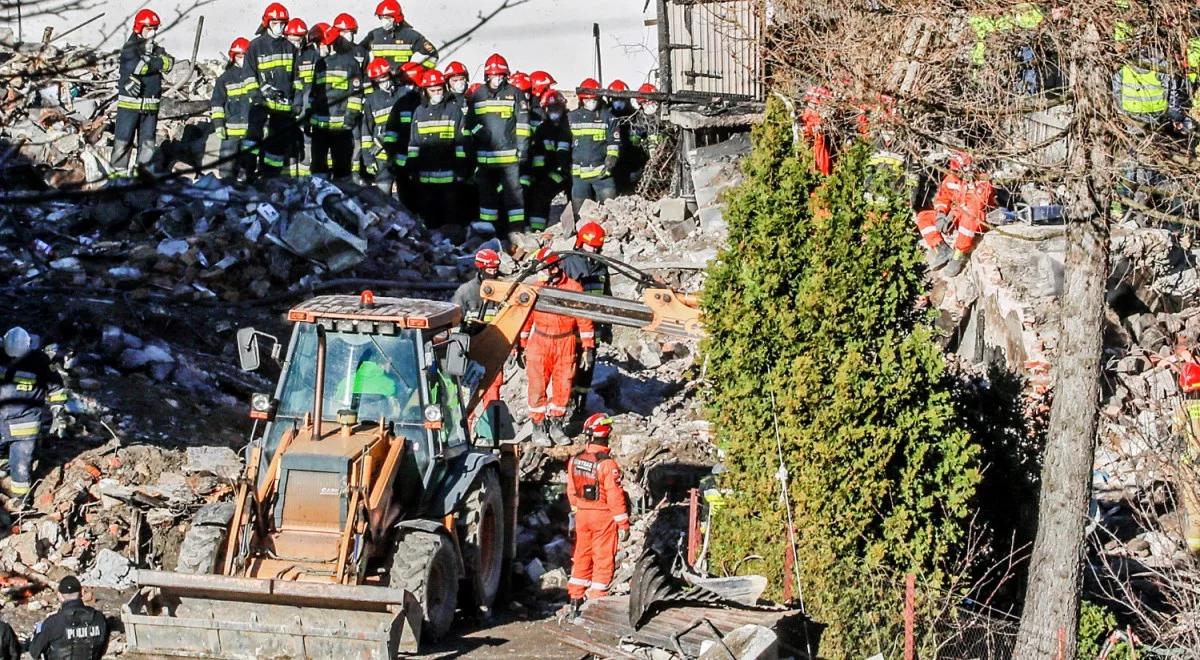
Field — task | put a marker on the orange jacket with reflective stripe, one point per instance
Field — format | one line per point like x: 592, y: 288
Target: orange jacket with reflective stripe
x: 593, y: 466
x: 557, y: 326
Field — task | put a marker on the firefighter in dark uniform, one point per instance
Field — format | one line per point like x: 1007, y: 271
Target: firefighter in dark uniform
x: 398, y: 42
x: 272, y: 58
x: 498, y: 122
x: 593, y: 276
x: 378, y: 139
x: 139, y: 92
x: 307, y: 54
x: 232, y: 100
x: 399, y: 124
x: 595, y: 147
x: 336, y: 103
x: 437, y: 153
x: 27, y: 384
x: 74, y: 632
x: 477, y: 313
x: 550, y: 159
x: 646, y: 133
x: 623, y: 114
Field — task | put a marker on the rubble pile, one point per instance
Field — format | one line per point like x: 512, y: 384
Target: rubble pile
x: 56, y: 103
x: 203, y: 240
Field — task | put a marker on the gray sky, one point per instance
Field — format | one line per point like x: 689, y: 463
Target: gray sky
x: 555, y: 35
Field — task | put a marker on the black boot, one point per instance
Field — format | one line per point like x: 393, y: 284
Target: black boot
x: 576, y: 608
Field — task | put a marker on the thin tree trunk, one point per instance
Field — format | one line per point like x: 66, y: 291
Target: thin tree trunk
x: 1050, y: 619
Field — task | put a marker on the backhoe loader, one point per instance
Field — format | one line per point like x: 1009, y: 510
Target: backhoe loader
x: 367, y: 505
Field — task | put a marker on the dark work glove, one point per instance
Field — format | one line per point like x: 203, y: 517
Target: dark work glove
x: 623, y: 534
x: 521, y: 358
x: 610, y: 162
x: 133, y: 87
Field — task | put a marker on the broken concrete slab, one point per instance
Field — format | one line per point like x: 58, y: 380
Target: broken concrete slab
x: 111, y: 570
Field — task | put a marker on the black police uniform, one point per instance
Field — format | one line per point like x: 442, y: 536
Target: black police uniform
x: 75, y: 632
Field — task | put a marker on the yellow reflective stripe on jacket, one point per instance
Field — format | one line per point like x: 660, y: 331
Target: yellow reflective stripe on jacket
x: 495, y: 107
x: 588, y: 172
x: 437, y: 176
x: 137, y: 103
x: 277, y: 61
x: 237, y: 130
x: 501, y: 157
x: 24, y: 429
x: 339, y: 80
x: 241, y: 89
x: 394, y: 52
x: 216, y: 112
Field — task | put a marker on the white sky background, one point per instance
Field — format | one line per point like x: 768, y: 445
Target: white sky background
x: 555, y: 35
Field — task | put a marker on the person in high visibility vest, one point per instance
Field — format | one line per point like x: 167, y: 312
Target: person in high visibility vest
x: 598, y: 502
x: 1143, y: 91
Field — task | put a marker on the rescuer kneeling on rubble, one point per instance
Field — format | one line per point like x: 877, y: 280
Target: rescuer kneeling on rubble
x: 601, y: 517
x: 27, y: 383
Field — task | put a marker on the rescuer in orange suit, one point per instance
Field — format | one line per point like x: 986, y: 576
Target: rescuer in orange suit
x: 601, y: 517
x: 548, y: 350
x: 961, y: 205
x: 816, y: 102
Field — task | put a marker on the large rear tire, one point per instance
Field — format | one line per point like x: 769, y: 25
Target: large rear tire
x: 203, y: 542
x: 483, y: 543
x: 425, y: 564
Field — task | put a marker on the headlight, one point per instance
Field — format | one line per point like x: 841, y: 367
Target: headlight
x: 433, y: 413
x: 260, y: 402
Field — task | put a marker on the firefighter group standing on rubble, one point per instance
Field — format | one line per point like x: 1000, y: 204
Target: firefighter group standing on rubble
x: 298, y: 101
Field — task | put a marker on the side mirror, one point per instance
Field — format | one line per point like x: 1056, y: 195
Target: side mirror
x: 457, y: 361
x: 247, y: 345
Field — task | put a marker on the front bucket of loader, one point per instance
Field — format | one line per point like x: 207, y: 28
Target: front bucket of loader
x: 236, y: 617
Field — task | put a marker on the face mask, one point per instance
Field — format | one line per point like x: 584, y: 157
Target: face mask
x: 275, y: 28
x: 239, y: 60
x: 650, y: 109
x: 494, y: 82
x: 555, y: 115
x: 387, y: 22
x: 458, y: 85
x: 149, y: 33
x: 591, y: 104
x: 620, y: 104
x: 386, y: 84
x: 436, y: 96
x: 298, y: 42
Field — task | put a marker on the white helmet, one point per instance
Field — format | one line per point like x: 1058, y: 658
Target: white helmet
x: 17, y: 342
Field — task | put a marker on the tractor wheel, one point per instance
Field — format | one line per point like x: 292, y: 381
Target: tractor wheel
x: 483, y: 543
x: 425, y: 564
x: 202, y: 543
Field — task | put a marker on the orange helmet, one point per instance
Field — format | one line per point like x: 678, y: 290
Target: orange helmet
x: 591, y: 235
x: 553, y: 98
x: 296, y: 28
x: 588, y: 83
x: 599, y: 426
x: 496, y: 65
x: 238, y: 47
x: 345, y: 22
x: 413, y: 71
x: 1189, y: 377
x: 274, y: 12
x: 379, y: 69
x: 432, y: 78
x: 541, y: 82
x: 960, y: 161
x: 317, y: 32
x: 330, y: 35
x: 520, y: 81
x: 646, y: 88
x: 143, y: 19
x: 487, y: 258
x: 547, y: 257
x: 390, y: 8
x: 618, y: 86
x: 456, y: 69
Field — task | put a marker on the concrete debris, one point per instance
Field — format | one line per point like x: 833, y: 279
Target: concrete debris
x: 220, y: 461
x: 749, y: 642
x: 111, y: 570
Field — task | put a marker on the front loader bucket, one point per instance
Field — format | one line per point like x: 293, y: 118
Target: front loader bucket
x: 236, y: 617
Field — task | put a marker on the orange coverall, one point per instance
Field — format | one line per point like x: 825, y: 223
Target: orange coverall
x: 966, y: 202
x: 598, y: 500
x: 551, y: 352
x: 815, y: 136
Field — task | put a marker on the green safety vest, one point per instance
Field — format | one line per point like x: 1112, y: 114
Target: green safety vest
x: 1026, y: 17
x: 1193, y: 58
x: 1142, y: 92
x: 369, y: 378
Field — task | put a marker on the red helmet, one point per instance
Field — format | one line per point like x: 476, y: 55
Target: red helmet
x: 646, y: 88
x: 618, y: 86
x: 317, y: 32
x: 960, y: 161
x: 588, y: 83
x: 496, y: 65
x: 520, y: 81
x: 239, y: 47
x: 345, y: 22
x: 547, y: 257
x: 296, y: 28
x: 379, y: 69
x: 553, y: 98
x: 1189, y: 377
x: 590, y: 234
x: 487, y: 258
x: 275, y: 12
x: 599, y: 425
x: 473, y: 87
x: 330, y: 35
x: 143, y: 19
x: 456, y: 69
x: 390, y: 8
x: 432, y: 78
x: 413, y: 71
x: 541, y: 82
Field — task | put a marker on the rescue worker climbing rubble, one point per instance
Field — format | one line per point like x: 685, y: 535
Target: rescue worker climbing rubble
x: 548, y: 350
x: 961, y: 205
x: 477, y: 313
x: 598, y: 502
x: 27, y: 384
x: 139, y: 93
x: 232, y: 102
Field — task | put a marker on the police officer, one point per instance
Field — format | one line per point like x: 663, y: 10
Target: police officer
x: 74, y: 632
x: 139, y: 92
x: 601, y: 513
x: 27, y: 383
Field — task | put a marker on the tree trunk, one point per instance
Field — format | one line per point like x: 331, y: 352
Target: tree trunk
x: 1050, y: 619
